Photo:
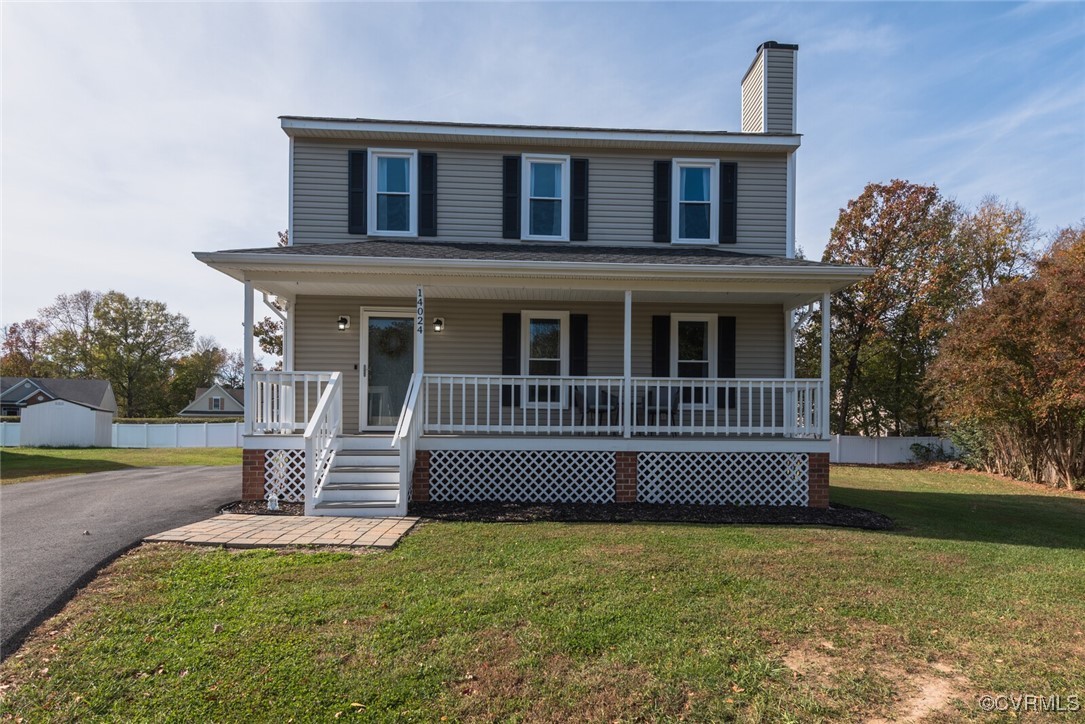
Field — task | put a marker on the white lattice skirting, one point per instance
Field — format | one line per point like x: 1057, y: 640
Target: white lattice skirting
x: 284, y: 474
x: 723, y: 478
x: 522, y: 476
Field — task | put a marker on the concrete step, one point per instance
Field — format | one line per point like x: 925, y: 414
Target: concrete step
x: 358, y: 495
x: 355, y: 507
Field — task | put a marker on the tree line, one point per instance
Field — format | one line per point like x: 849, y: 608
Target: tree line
x: 969, y: 326
x: 149, y: 354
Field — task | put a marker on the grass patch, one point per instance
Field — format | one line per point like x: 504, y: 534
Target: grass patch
x: 980, y: 590
x: 20, y: 464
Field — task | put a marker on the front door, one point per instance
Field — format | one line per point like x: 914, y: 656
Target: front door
x: 387, y: 365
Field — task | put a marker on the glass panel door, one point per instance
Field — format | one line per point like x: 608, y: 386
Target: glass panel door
x: 389, y: 368
x: 693, y: 359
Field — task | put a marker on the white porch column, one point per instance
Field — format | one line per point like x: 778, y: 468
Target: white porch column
x: 627, y: 408
x: 288, y: 338
x: 824, y: 413
x: 246, y: 351
x: 789, y: 344
x: 420, y: 330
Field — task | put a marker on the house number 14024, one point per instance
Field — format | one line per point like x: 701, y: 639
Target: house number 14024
x: 420, y: 313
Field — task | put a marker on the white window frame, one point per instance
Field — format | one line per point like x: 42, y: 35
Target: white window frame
x: 712, y: 341
x: 525, y: 354
x: 216, y: 404
x: 525, y: 195
x: 713, y: 165
x: 371, y: 190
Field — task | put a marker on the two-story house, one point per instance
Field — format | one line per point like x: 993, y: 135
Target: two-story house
x: 527, y: 313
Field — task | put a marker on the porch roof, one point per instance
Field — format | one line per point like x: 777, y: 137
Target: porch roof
x: 394, y: 265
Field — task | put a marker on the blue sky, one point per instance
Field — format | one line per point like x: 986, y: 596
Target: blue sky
x: 134, y: 134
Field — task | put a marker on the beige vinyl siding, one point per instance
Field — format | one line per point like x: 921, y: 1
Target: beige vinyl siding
x: 471, y: 341
x: 753, y: 97
x: 781, y: 91
x: 469, y: 182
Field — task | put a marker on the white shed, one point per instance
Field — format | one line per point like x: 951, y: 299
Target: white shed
x: 62, y: 423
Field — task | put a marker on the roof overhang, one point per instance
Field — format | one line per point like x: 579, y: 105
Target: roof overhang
x: 289, y: 276
x: 383, y: 131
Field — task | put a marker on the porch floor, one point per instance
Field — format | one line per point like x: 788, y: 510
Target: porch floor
x: 234, y: 530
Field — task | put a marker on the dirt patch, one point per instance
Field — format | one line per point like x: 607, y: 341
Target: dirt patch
x: 811, y: 664
x: 496, y: 512
x: 925, y: 692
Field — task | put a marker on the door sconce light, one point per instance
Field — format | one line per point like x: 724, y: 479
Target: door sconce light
x: 438, y: 324
x: 343, y: 323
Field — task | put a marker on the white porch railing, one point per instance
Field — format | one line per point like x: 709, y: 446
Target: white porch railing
x: 405, y: 438
x: 757, y: 407
x: 503, y: 404
x: 506, y: 404
x: 322, y: 437
x: 282, y: 402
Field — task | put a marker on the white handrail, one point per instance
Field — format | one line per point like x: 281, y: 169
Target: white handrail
x: 281, y: 400
x: 405, y: 438
x: 322, y: 436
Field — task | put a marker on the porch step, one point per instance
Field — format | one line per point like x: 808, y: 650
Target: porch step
x: 364, y: 475
x: 330, y: 486
x: 356, y: 458
x: 344, y: 505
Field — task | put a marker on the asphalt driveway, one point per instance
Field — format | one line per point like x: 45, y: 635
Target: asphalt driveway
x: 44, y: 554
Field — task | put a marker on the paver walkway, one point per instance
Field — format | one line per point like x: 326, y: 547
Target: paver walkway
x: 269, y: 531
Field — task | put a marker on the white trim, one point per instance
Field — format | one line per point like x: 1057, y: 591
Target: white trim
x: 790, y: 233
x: 825, y: 337
x: 526, y: 315
x: 295, y: 127
x: 213, y: 408
x: 712, y: 321
x: 627, y: 363
x: 639, y: 444
x: 288, y: 339
x: 713, y: 165
x: 364, y: 313
x: 290, y: 197
x: 794, y: 91
x: 412, y: 193
x: 526, y: 161
x: 764, y: 90
x: 246, y: 349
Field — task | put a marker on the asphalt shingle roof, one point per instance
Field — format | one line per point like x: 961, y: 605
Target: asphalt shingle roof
x: 531, y: 251
x: 91, y: 393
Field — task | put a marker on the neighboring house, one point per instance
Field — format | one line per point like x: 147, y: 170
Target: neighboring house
x: 216, y: 401
x: 59, y: 412
x: 528, y: 313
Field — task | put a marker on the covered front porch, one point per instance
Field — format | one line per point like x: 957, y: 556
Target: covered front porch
x: 568, y: 372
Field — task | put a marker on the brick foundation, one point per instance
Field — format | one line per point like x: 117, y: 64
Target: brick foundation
x: 420, y: 477
x: 252, y: 474
x: 819, y: 480
x: 625, y: 477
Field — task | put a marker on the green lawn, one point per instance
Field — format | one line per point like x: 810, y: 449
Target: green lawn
x: 20, y: 464
x: 980, y: 590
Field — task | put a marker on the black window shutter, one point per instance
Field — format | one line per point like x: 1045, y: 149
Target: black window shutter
x: 427, y: 194
x: 661, y: 202
x: 728, y: 203
x: 510, y: 228
x: 578, y: 211
x: 510, y: 356
x: 578, y: 345
x: 725, y: 357
x: 356, y: 198
x: 661, y: 345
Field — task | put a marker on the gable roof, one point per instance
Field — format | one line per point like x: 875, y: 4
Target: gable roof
x: 237, y: 395
x: 96, y: 394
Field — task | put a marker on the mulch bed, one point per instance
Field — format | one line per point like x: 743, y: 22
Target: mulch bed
x: 837, y: 515
x: 259, y: 507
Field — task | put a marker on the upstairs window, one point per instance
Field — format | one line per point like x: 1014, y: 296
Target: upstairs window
x: 694, y: 209
x: 216, y: 403
x: 393, y: 192
x: 545, y: 210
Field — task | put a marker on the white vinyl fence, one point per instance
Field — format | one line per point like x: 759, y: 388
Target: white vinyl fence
x: 883, y: 450
x: 200, y: 434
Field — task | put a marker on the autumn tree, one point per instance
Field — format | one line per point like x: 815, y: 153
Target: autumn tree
x: 997, y: 241
x: 886, y: 328
x: 71, y: 323
x: 23, y: 350
x: 198, y: 368
x: 1013, y: 368
x: 136, y: 342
